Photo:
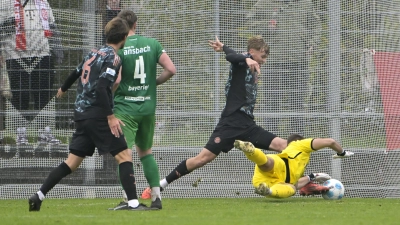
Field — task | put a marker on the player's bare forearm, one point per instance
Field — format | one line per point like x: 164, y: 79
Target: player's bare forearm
x: 168, y: 66
x: 164, y: 77
x: 117, y: 81
x: 319, y: 143
x: 302, y: 182
x: 115, y: 87
x: 337, y: 147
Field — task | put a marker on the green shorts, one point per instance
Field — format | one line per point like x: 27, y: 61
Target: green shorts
x: 138, y: 130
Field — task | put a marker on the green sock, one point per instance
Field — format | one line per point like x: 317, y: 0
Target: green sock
x: 150, y: 169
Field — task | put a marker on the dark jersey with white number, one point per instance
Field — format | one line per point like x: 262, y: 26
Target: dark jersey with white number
x: 240, y: 91
x: 98, y: 72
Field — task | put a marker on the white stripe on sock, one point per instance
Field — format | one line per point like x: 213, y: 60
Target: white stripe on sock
x: 133, y: 203
x: 41, y: 195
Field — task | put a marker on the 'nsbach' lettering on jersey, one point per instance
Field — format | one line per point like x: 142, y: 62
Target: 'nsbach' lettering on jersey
x: 136, y: 93
x: 131, y: 50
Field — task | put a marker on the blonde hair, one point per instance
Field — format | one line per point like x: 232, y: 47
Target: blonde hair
x: 257, y: 43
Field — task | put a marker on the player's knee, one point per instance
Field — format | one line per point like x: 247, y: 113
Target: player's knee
x: 282, y: 190
x: 73, y: 166
x: 74, y: 160
x: 267, y: 166
x: 200, y: 162
x: 203, y: 158
x: 124, y: 156
x: 142, y: 153
x: 278, y: 144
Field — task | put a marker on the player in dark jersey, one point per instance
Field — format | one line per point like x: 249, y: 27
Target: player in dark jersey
x: 96, y: 125
x: 237, y: 120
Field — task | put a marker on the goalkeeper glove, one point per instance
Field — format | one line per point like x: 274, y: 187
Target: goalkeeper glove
x: 344, y: 154
x: 319, y: 177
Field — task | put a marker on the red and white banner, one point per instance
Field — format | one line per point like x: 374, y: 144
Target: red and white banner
x: 387, y: 65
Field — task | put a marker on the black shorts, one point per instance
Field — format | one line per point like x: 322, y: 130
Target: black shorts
x: 92, y: 133
x: 224, y: 135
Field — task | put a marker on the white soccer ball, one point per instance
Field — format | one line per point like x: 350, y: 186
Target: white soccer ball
x: 336, y: 190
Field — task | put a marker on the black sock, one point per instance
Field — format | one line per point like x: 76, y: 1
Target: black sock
x: 54, y: 177
x: 128, y: 179
x: 342, y: 154
x: 180, y: 171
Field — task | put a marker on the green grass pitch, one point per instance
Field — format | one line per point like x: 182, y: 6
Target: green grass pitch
x: 231, y: 211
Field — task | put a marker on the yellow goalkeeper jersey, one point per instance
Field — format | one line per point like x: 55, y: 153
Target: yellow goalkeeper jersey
x: 297, y: 154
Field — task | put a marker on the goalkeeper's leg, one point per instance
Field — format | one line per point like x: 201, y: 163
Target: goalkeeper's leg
x: 282, y: 190
x: 253, y: 154
x: 272, y: 183
x: 265, y: 163
x: 277, y: 190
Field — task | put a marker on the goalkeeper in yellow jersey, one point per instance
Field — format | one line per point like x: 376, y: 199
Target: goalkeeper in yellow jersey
x: 280, y: 175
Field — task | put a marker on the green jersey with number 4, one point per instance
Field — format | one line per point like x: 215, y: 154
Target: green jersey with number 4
x: 136, y: 94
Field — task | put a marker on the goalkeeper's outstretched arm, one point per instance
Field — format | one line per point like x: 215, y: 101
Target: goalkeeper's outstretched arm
x: 317, y: 177
x: 319, y: 143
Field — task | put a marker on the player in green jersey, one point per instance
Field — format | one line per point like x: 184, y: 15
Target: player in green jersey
x: 136, y: 97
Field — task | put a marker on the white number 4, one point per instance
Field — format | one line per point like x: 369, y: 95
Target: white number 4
x: 139, y: 70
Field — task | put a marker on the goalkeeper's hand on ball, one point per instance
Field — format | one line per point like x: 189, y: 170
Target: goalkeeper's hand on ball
x: 319, y: 177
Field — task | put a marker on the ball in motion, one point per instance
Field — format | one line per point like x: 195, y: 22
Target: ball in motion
x: 336, y: 190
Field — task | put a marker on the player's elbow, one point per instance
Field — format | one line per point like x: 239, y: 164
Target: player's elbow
x: 115, y: 87
x: 171, y: 70
x: 167, y: 64
x: 229, y: 57
x: 117, y: 81
x: 320, y: 143
x: 330, y: 142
